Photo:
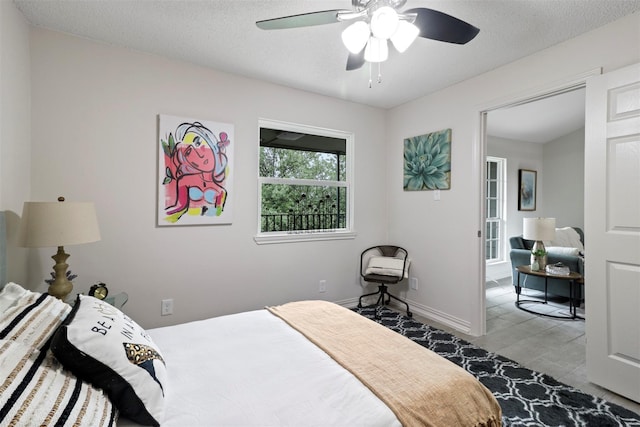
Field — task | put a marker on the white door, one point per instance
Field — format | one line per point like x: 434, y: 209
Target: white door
x: 612, y: 230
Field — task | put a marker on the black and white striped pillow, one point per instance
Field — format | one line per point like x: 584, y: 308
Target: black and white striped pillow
x: 34, y: 388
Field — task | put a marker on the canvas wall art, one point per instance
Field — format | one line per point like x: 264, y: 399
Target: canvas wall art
x: 528, y: 189
x: 195, y: 171
x: 427, y: 161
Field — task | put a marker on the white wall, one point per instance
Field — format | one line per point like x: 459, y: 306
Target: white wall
x: 15, y: 129
x: 519, y: 155
x: 94, y: 138
x: 441, y: 236
x: 562, y: 186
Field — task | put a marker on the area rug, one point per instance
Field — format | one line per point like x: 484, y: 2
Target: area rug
x: 527, y: 398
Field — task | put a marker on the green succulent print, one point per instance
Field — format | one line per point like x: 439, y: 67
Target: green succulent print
x: 427, y: 161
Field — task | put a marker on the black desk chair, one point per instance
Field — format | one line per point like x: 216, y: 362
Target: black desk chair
x: 384, y: 265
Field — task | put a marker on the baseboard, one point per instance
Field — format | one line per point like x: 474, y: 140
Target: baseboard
x: 497, y: 271
x: 439, y: 316
x: 348, y: 303
x: 419, y: 309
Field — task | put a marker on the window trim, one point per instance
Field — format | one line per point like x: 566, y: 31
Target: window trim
x: 307, y: 236
x: 501, y: 208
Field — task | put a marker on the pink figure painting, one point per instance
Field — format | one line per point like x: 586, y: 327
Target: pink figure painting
x: 196, y: 168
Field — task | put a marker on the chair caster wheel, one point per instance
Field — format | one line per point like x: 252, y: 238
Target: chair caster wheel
x: 409, y: 314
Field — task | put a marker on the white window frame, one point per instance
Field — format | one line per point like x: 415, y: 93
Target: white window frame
x: 500, y: 209
x: 312, y: 235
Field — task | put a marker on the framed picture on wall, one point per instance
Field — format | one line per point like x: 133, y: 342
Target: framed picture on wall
x: 527, y: 180
x: 195, y: 171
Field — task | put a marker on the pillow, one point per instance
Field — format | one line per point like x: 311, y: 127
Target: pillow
x: 559, y: 250
x: 36, y: 391
x: 387, y: 266
x: 103, y: 346
x: 9, y: 295
x: 566, y: 237
x: 30, y: 317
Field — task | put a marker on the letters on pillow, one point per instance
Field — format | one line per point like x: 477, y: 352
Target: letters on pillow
x: 103, y: 346
x: 387, y: 266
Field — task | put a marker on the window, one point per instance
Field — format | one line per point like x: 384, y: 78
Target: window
x: 495, y: 205
x: 304, y: 180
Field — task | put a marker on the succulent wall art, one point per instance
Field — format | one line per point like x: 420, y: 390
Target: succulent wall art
x: 427, y: 161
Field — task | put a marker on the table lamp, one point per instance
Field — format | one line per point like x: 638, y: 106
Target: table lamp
x: 539, y: 229
x: 51, y: 224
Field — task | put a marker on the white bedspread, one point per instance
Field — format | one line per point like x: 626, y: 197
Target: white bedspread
x: 252, y: 369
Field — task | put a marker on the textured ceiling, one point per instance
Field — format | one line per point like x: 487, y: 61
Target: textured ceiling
x: 222, y: 34
x: 540, y: 121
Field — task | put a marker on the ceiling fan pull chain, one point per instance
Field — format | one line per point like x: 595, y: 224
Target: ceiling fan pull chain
x: 379, y: 72
x: 370, y: 75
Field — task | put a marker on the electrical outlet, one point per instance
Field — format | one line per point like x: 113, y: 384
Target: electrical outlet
x: 322, y: 287
x: 414, y: 283
x: 166, y: 307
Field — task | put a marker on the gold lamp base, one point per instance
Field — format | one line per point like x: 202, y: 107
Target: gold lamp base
x: 61, y: 286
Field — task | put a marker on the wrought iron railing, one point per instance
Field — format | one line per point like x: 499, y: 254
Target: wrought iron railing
x: 303, y: 222
x: 310, y: 213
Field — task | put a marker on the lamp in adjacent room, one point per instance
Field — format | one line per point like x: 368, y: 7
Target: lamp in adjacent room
x: 58, y: 224
x: 539, y: 229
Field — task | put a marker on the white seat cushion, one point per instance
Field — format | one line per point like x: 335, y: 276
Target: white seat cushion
x: 387, y: 266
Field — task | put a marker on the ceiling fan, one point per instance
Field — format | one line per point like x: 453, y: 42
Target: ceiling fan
x: 375, y: 22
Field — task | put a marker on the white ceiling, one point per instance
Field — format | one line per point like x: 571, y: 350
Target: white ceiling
x: 222, y: 34
x: 540, y: 121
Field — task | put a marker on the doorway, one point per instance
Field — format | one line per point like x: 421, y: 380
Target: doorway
x: 515, y: 100
x: 546, y: 136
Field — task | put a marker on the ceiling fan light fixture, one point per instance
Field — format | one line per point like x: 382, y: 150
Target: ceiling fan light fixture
x: 376, y: 50
x: 404, y: 36
x: 384, y: 22
x: 356, y: 36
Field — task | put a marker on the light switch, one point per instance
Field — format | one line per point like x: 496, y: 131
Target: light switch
x: 436, y: 195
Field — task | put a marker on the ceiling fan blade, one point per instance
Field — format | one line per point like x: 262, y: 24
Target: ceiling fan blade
x: 439, y: 26
x: 355, y: 60
x: 302, y: 20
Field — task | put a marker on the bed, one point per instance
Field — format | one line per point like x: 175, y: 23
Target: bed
x: 306, y: 363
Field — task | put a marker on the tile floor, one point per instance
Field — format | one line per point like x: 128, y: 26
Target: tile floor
x: 553, y: 346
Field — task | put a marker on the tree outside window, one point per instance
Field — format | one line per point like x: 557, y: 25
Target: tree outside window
x: 304, y: 180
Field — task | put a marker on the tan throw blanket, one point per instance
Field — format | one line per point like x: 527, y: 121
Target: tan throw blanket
x: 420, y: 387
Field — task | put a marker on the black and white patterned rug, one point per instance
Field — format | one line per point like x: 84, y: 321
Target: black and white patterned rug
x: 527, y: 398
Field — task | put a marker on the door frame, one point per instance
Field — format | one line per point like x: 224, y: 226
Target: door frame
x: 568, y: 84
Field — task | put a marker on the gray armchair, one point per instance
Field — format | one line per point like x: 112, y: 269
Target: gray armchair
x: 520, y: 254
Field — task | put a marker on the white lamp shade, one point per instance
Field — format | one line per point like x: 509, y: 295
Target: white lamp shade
x: 355, y: 36
x: 539, y: 228
x: 384, y: 22
x: 404, y: 36
x: 51, y: 224
x: 376, y: 50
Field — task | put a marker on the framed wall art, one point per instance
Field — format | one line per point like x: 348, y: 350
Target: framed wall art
x: 195, y: 172
x: 527, y: 184
x: 427, y: 161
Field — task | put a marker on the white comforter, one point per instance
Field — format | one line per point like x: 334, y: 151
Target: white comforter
x: 252, y: 369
